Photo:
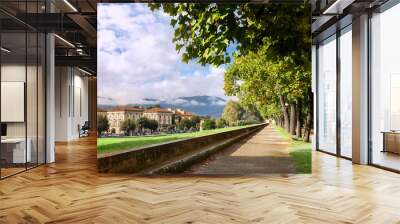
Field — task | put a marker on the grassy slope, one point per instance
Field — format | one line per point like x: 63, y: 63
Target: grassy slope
x: 300, y: 152
x: 115, y: 144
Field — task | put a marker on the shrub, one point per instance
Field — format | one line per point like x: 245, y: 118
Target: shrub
x: 102, y: 124
x: 128, y: 126
x: 209, y: 124
x: 221, y: 123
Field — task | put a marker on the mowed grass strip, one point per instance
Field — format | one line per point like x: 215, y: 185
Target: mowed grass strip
x: 301, y: 154
x: 112, y: 144
x: 300, y: 151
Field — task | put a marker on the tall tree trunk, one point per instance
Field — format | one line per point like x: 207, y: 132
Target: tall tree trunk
x: 309, y: 119
x: 298, y: 120
x: 285, y: 113
x: 292, y: 119
x: 307, y: 129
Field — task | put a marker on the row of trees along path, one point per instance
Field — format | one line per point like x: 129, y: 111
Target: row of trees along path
x: 266, y: 48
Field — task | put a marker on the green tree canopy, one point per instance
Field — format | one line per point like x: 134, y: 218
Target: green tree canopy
x: 221, y: 123
x: 233, y: 112
x: 209, y: 124
x: 206, y: 31
x: 185, y: 124
x: 128, y: 125
x: 102, y: 124
x: 272, y: 86
x: 195, y: 121
x: 271, y: 51
x: 152, y: 125
x: 142, y: 123
x: 256, y: 78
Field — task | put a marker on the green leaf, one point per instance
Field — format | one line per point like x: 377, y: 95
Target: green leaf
x: 173, y: 22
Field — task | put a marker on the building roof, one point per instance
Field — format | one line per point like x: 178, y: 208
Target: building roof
x: 184, y: 113
x: 133, y: 109
x: 101, y: 110
x: 158, y: 110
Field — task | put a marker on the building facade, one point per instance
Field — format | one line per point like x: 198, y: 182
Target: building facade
x: 180, y: 114
x: 356, y: 80
x: 117, y: 116
x: 162, y: 116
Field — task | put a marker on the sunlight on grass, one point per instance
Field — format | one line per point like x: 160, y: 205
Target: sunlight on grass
x: 300, y: 152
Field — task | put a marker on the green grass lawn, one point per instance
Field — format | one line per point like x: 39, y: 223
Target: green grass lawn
x: 111, y: 144
x: 300, y: 152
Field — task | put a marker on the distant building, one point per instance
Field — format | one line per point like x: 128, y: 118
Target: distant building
x: 117, y: 116
x: 180, y: 114
x: 162, y: 116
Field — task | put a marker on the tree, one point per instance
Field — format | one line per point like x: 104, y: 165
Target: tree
x: 195, y: 120
x: 128, y: 126
x: 273, y: 85
x: 252, y: 113
x: 113, y: 131
x: 233, y: 112
x: 152, y: 125
x: 221, y: 123
x: 206, y: 31
x: 185, y: 124
x: 102, y: 124
x: 142, y: 123
x: 209, y: 124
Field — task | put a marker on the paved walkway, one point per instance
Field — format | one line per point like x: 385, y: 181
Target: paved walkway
x: 263, y: 153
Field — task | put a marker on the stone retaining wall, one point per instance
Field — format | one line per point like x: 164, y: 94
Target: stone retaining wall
x: 138, y: 159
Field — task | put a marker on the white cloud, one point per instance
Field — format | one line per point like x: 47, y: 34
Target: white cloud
x: 137, y: 59
x: 176, y: 101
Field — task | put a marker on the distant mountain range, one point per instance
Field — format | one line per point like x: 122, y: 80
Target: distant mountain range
x: 200, y: 105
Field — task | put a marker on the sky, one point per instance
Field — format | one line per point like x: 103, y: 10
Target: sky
x: 137, y: 59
